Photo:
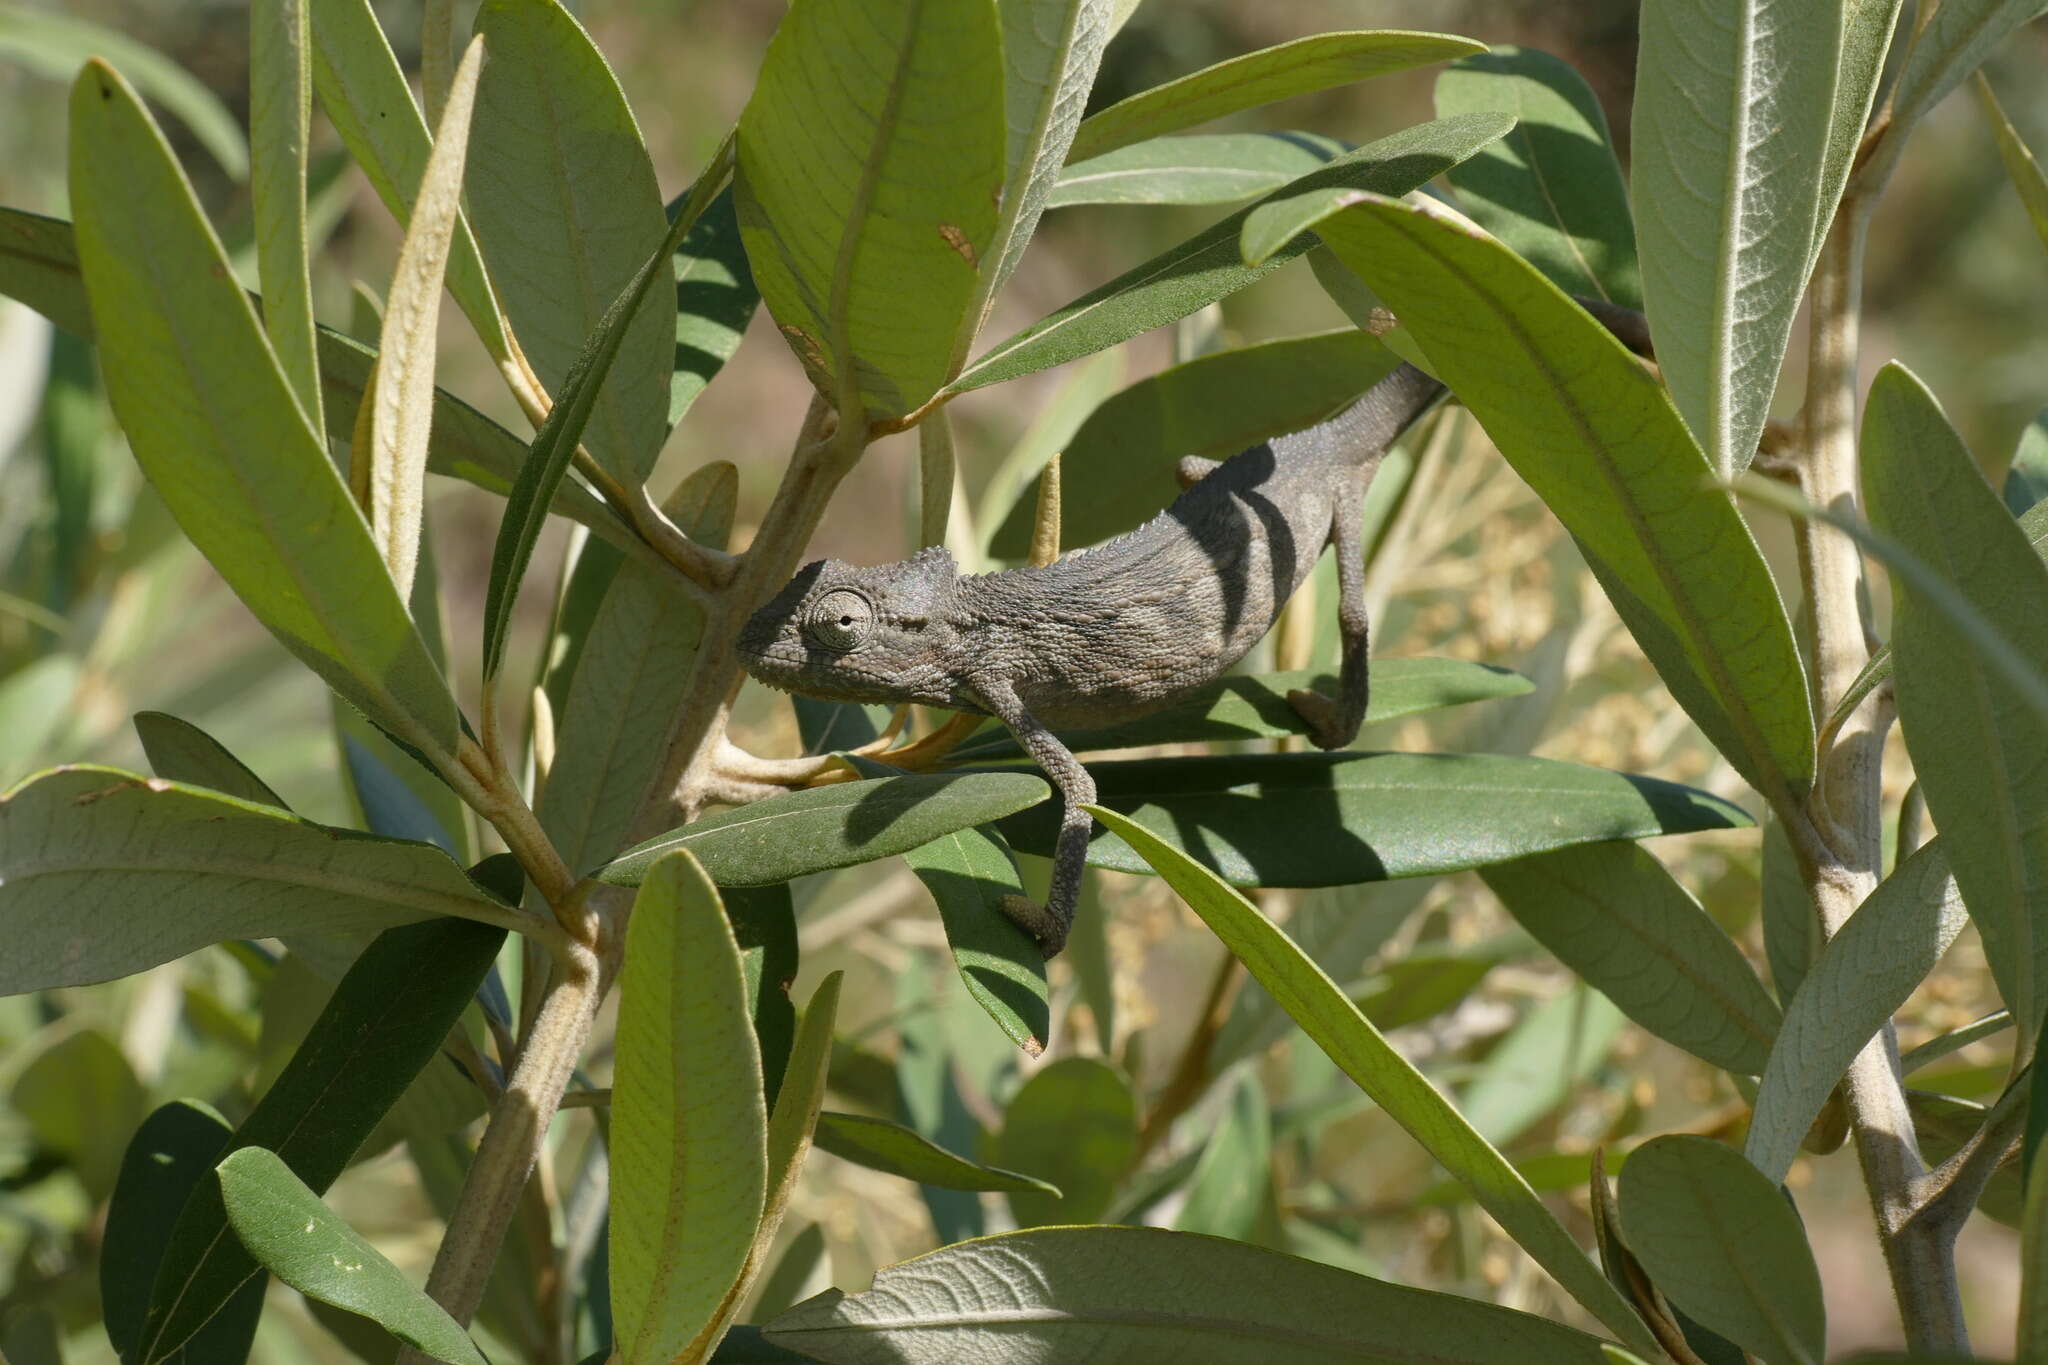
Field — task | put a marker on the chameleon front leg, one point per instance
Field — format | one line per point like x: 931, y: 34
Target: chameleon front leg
x: 1334, y: 722
x: 1049, y: 923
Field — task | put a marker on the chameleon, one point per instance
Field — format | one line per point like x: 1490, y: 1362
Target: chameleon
x: 1110, y: 633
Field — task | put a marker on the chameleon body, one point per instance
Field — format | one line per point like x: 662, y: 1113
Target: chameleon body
x: 1108, y: 633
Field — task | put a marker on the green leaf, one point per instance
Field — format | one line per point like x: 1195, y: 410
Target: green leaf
x: 894, y: 1149
x: 1551, y: 190
x: 1232, y: 1184
x: 1053, y: 424
x: 92, y: 853
x: 1118, y: 469
x: 182, y: 752
x: 2026, y: 479
x: 1075, y: 1124
x: 689, y: 1132
x: 1964, y: 722
x: 369, y: 103
x: 1792, y: 934
x: 1150, y: 1297
x: 1336, y: 1026
x: 1734, y: 108
x: 35, y: 702
x: 56, y: 45
x: 715, y: 300
x: 2030, y: 1335
x: 1301, y: 67
x: 1953, y: 42
x: 1421, y: 986
x: 968, y: 872
x: 764, y: 925
x: 781, y: 1285
x: 214, y: 424
x: 1867, y: 27
x: 1051, y: 49
x: 1724, y: 1246
x: 171, y: 1153
x: 79, y: 1098
x: 1544, y: 1058
x: 1599, y: 441
x: 1207, y: 267
x: 1256, y: 707
x: 1612, y: 914
x: 385, y: 1022
x: 308, y: 1246
x: 1335, y: 819
x: 566, y: 209
x: 402, y: 395
x: 1884, y: 951
x: 280, y: 118
x: 835, y: 826
x: 1215, y: 168
x: 869, y: 245
x: 613, y: 724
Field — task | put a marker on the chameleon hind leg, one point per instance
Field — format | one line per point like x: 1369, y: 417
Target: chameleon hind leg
x: 1049, y: 923
x: 1334, y: 721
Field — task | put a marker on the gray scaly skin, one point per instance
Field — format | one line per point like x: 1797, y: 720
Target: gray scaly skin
x: 1109, y: 633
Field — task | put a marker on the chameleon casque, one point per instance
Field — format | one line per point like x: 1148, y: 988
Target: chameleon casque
x: 1108, y: 633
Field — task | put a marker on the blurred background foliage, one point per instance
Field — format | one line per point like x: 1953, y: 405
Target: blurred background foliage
x: 105, y: 611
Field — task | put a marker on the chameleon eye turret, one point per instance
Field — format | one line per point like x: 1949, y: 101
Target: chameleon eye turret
x: 840, y: 620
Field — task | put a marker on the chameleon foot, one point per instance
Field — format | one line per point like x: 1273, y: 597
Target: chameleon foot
x: 1325, y: 728
x: 1034, y: 919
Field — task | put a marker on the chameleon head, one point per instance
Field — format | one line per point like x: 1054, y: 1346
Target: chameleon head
x: 847, y: 633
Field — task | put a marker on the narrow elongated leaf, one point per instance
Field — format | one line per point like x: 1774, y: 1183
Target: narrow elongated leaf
x: 689, y: 1133
x: 402, y: 395
x: 1954, y: 42
x: 827, y: 827
x: 1734, y: 107
x: 1207, y: 267
x: 1118, y: 469
x: 1148, y: 1295
x: 1336, y: 819
x: 1536, y: 1068
x: 2031, y: 1333
x: 1052, y: 426
x: 1599, y: 441
x: 386, y: 1020
x: 1724, y: 1246
x: 894, y: 1149
x: 1860, y: 979
x: 1051, y: 49
x: 1792, y: 935
x: 1966, y: 724
x: 109, y: 873
x: 1301, y: 67
x: 1215, y: 168
x: 1334, y: 1023
x: 1232, y: 1184
x: 1613, y: 915
x: 566, y: 209
x: 369, y: 103
x: 2020, y: 166
x: 182, y: 752
x: 1552, y: 189
x: 1256, y: 707
x: 1075, y: 1124
x: 869, y: 246
x: 304, y: 1243
x: 78, y: 1097
x: 715, y: 300
x: 35, y: 701
x: 214, y: 424
x: 171, y: 1153
x: 763, y: 922
x: 280, y: 117
x: 622, y: 694
x: 56, y: 44
x: 968, y: 872
x: 1867, y: 27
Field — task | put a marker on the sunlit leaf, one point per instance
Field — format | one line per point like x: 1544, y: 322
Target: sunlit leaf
x: 881, y: 1145
x: 1215, y: 168
x: 968, y: 873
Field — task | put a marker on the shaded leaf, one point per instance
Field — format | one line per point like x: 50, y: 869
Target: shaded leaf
x: 1334, y: 1023
x: 1623, y: 925
x: 894, y: 1149
x: 1551, y: 190
x: 305, y: 1244
x: 280, y: 117
x: 968, y: 872
x: 79, y: 1098
x: 1866, y: 971
x: 1335, y: 819
x: 1074, y: 1123
x: 689, y: 1131
x: 2020, y: 166
x: 835, y: 826
x: 1724, y: 1245
x: 764, y: 925
x: 1301, y: 67
x: 1953, y: 42
x: 182, y: 752
x: 715, y: 300
x: 171, y: 1153
x: 95, y: 855
x: 1208, y: 267
x: 1232, y: 1183
x: 1544, y: 1058
x: 1217, y: 168
x: 1867, y: 27
x: 830, y: 727
x: 35, y: 701
x: 213, y: 423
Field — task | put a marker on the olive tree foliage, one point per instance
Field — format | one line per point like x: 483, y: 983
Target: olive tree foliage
x: 592, y: 832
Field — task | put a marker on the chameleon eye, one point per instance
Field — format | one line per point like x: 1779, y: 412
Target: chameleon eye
x: 840, y: 620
